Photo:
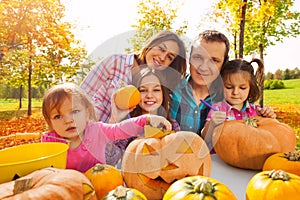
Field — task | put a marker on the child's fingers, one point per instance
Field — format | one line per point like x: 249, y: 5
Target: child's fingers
x: 167, y: 125
x: 160, y: 122
x: 218, y: 117
x: 267, y: 112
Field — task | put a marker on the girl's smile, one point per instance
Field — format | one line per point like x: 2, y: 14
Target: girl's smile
x: 151, y: 94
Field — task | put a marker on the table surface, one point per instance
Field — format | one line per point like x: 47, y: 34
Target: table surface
x: 235, y: 178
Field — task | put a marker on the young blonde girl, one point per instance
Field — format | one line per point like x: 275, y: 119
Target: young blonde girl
x: 70, y: 116
x: 241, y: 89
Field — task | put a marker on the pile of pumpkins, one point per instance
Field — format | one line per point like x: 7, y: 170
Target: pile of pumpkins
x: 177, y: 165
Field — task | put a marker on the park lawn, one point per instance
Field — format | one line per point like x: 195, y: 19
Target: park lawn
x: 289, y: 95
x: 13, y: 104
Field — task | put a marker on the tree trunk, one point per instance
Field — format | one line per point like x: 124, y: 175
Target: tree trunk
x: 261, y: 54
x: 235, y: 47
x: 20, y: 97
x: 29, y: 111
x: 242, y: 29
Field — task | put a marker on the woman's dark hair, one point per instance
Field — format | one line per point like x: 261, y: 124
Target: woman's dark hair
x: 255, y: 80
x: 137, y: 80
x: 179, y: 63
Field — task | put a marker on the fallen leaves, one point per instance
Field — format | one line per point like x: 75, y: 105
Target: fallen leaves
x: 12, y: 130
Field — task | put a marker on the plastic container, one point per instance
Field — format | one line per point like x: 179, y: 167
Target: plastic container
x: 21, y: 160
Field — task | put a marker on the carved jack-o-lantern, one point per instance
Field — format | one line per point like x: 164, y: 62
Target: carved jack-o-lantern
x: 151, y: 165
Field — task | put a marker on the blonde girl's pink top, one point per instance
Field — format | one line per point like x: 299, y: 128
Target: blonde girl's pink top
x: 97, y: 135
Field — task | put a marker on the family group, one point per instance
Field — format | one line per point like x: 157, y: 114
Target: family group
x: 194, y: 91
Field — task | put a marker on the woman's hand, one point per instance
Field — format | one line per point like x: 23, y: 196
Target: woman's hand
x: 159, y: 122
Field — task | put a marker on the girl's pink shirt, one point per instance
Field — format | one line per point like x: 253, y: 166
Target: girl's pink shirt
x: 97, y: 135
x: 249, y: 110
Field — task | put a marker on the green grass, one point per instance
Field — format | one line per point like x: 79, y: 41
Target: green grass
x: 289, y: 95
x: 13, y: 104
x: 9, y: 107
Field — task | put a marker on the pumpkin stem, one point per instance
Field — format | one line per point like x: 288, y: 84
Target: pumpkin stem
x: 120, y: 192
x: 292, y: 156
x: 251, y: 121
x: 205, y: 186
x: 97, y: 168
x: 22, y: 185
x: 278, y: 175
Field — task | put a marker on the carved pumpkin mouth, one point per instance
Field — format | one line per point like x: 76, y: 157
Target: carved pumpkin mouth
x: 156, y: 183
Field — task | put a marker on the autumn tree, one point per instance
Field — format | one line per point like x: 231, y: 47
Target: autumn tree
x: 266, y: 22
x: 278, y: 74
x: 152, y: 17
x: 37, y: 46
x: 232, y: 15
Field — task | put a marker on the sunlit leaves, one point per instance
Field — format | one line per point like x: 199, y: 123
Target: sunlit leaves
x: 153, y: 16
x: 267, y: 22
x: 42, y: 49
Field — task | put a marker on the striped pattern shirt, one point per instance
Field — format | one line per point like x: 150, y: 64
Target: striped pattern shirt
x: 104, y: 78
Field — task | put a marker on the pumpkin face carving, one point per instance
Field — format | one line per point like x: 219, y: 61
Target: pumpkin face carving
x: 151, y: 165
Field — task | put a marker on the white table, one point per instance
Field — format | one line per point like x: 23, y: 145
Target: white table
x: 235, y: 178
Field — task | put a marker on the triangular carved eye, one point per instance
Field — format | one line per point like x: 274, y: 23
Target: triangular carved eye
x: 184, y: 148
x: 169, y: 166
x: 148, y: 150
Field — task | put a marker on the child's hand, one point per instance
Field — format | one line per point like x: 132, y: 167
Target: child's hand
x: 218, y: 117
x: 117, y: 114
x: 159, y: 122
x: 267, y: 112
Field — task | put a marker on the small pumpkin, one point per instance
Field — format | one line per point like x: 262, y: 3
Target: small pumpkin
x: 104, y: 178
x: 152, y: 164
x: 198, y: 188
x: 248, y: 143
x: 127, y: 97
x: 49, y: 183
x: 125, y: 194
x: 273, y: 185
x: 289, y: 162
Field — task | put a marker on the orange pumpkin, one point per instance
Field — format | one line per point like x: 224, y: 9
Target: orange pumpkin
x: 151, y: 165
x: 198, y: 188
x: 104, y: 178
x: 248, y: 143
x: 49, y: 183
x: 273, y: 185
x: 289, y: 162
x: 125, y: 194
x: 127, y: 97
